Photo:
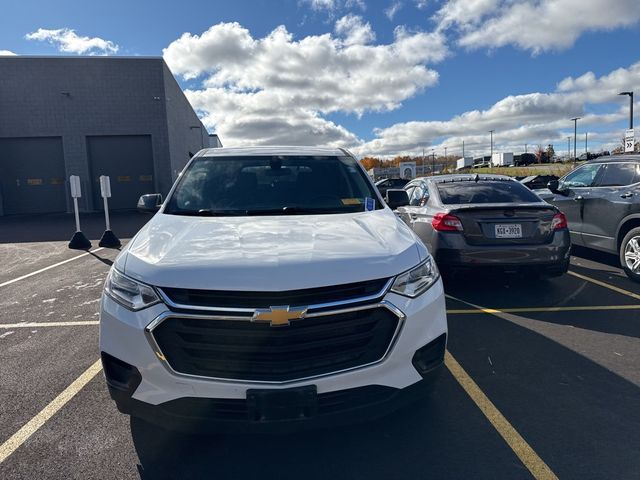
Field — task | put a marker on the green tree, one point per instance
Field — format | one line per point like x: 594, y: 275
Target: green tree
x: 550, y: 152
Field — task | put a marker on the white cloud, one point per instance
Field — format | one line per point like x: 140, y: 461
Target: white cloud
x: 531, y: 118
x: 261, y: 118
x: 331, y: 6
x: 536, y: 26
x: 354, y: 30
x: 275, y: 89
x: 321, y: 4
x: 356, y: 3
x: 392, y: 9
x: 66, y: 40
x: 6, y: 53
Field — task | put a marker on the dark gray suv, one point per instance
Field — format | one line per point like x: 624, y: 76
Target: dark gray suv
x: 601, y: 200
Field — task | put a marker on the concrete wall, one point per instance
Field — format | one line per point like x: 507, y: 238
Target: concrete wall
x: 76, y: 97
x: 187, y: 134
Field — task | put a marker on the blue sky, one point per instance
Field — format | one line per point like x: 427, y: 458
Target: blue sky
x: 440, y: 72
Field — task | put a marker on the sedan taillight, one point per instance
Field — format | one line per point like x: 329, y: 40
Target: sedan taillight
x: 445, y: 222
x: 559, y: 221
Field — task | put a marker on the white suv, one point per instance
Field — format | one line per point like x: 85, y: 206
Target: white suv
x: 272, y: 287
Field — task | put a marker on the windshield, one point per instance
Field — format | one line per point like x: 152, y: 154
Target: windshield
x: 272, y: 185
x: 485, y: 192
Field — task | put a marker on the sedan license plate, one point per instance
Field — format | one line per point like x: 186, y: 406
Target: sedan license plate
x: 509, y: 230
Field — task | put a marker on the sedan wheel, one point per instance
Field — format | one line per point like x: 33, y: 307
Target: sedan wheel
x: 630, y: 254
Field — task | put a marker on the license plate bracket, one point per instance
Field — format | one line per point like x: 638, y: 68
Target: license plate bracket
x: 282, y: 404
x: 508, y: 230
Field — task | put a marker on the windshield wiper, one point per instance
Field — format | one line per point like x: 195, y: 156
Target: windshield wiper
x: 206, y: 212
x: 292, y: 211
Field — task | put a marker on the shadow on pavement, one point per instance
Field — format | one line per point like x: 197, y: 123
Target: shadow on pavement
x: 565, y: 291
x: 596, y: 256
x: 106, y: 261
x: 443, y: 436
x: 61, y: 227
x: 581, y: 418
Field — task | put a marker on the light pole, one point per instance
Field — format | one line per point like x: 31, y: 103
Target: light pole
x: 525, y: 148
x: 569, y: 147
x: 445, y: 153
x: 630, y: 108
x: 491, y: 158
x: 462, y: 148
x: 575, y: 132
x: 586, y: 150
x: 433, y: 162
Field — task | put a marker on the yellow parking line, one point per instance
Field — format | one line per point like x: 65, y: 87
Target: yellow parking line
x: 520, y: 447
x: 32, y: 426
x: 605, y: 285
x: 49, y: 324
x: 581, y: 308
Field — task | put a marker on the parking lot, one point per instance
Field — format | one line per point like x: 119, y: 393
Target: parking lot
x: 542, y: 381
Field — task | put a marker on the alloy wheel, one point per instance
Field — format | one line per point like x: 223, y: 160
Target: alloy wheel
x: 632, y: 254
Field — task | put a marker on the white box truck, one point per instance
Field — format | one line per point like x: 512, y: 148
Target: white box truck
x: 502, y: 159
x: 464, y: 162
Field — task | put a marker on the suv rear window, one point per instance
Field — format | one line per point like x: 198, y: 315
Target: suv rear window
x: 271, y: 185
x: 485, y: 192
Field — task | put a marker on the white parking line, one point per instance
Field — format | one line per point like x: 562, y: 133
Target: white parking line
x: 49, y: 324
x: 9, y: 282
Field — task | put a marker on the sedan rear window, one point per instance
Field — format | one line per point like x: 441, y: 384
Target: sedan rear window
x: 485, y: 192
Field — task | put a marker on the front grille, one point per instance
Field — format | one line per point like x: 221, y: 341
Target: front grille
x: 308, y: 296
x: 244, y: 350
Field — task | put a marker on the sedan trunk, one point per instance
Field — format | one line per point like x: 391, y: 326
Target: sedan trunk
x: 506, y: 224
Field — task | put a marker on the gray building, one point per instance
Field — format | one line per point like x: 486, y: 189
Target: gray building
x: 125, y: 117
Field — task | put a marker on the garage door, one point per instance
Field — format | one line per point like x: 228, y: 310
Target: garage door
x: 32, y: 175
x: 128, y: 161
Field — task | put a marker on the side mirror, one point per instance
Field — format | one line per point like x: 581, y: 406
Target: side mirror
x: 150, y: 202
x: 554, y: 186
x: 397, y: 198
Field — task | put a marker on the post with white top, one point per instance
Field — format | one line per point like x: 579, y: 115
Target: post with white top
x: 78, y: 241
x: 108, y: 239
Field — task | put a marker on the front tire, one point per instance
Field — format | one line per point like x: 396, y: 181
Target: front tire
x: 630, y: 254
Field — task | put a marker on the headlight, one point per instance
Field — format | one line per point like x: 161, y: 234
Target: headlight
x: 417, y: 280
x: 126, y: 291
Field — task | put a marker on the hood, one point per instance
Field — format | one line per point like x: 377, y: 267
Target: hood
x: 270, y: 253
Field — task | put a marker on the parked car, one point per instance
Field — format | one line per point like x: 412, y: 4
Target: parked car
x: 487, y: 221
x: 601, y: 200
x: 536, y: 182
x: 273, y: 287
x: 524, y: 159
x: 385, y: 184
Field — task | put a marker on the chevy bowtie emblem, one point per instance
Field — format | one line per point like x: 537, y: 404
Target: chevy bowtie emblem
x: 278, y: 316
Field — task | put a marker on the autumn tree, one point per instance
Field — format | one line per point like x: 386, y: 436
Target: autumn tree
x: 370, y: 162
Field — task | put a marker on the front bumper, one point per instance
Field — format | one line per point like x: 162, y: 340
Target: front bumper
x: 157, y: 391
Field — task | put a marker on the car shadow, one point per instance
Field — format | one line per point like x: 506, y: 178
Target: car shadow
x: 596, y: 256
x: 441, y: 436
x: 567, y: 291
x: 61, y: 227
x: 580, y: 417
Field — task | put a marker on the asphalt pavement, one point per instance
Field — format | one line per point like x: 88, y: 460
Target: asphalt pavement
x: 549, y: 377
